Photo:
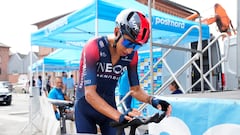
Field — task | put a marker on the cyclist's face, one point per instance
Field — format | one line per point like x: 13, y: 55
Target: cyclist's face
x: 127, y: 45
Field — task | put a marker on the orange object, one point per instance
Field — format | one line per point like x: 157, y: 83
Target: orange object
x: 221, y: 18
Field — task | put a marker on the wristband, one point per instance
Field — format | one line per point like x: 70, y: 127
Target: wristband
x: 149, y: 99
x: 122, y: 117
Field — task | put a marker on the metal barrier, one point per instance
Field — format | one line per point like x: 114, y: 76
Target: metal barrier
x: 188, y: 64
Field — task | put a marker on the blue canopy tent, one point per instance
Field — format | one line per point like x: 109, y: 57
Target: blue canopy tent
x: 73, y: 30
x: 59, y: 60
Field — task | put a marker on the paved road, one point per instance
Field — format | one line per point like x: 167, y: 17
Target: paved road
x: 13, y: 118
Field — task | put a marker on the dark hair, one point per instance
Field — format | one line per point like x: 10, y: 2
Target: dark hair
x: 175, y: 85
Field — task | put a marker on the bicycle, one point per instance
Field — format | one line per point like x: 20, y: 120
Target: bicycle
x: 62, y: 105
x: 136, y: 122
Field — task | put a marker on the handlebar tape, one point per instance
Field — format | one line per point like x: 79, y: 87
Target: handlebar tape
x: 136, y: 122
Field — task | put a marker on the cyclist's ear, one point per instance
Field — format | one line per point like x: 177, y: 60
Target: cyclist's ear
x: 116, y: 31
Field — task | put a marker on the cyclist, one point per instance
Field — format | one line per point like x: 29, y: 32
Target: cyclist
x: 103, y: 61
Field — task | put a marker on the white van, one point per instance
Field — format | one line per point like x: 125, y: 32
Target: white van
x: 230, y: 65
x: 210, y: 58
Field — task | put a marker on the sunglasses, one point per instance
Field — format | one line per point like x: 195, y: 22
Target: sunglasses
x: 129, y: 44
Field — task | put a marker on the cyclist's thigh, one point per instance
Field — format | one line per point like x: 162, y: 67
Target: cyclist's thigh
x: 83, y: 123
x: 106, y: 129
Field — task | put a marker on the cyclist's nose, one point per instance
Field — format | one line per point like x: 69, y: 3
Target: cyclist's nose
x: 129, y: 50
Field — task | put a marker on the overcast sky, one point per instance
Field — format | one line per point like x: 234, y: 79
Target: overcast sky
x: 18, y: 15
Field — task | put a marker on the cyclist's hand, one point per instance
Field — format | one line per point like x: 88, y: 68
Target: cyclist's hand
x: 128, y: 115
x: 162, y: 105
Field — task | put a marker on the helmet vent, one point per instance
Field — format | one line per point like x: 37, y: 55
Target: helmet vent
x: 129, y: 16
x: 144, y: 33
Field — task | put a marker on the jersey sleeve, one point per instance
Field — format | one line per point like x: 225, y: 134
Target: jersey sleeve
x: 90, y: 58
x: 132, y: 71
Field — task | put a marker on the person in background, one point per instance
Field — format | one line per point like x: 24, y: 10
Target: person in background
x: 124, y: 87
x: 102, y: 62
x: 28, y: 83
x: 33, y: 82
x: 57, y: 93
x: 70, y: 87
x: 48, y: 84
x: 64, y: 80
x: 39, y: 84
x: 174, y: 88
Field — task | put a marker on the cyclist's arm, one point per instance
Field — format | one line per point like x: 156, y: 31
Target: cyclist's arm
x: 135, y: 89
x: 140, y: 94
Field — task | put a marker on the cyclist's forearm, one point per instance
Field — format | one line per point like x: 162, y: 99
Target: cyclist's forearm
x: 140, y: 94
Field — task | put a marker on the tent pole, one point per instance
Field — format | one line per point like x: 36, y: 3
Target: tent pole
x: 30, y: 121
x: 43, y: 79
x: 96, y: 19
x: 151, y: 48
x: 31, y: 94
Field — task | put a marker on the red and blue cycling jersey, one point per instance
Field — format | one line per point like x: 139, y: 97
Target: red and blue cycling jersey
x: 96, y: 68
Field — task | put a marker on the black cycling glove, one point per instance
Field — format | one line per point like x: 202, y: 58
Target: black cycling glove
x: 164, y: 104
